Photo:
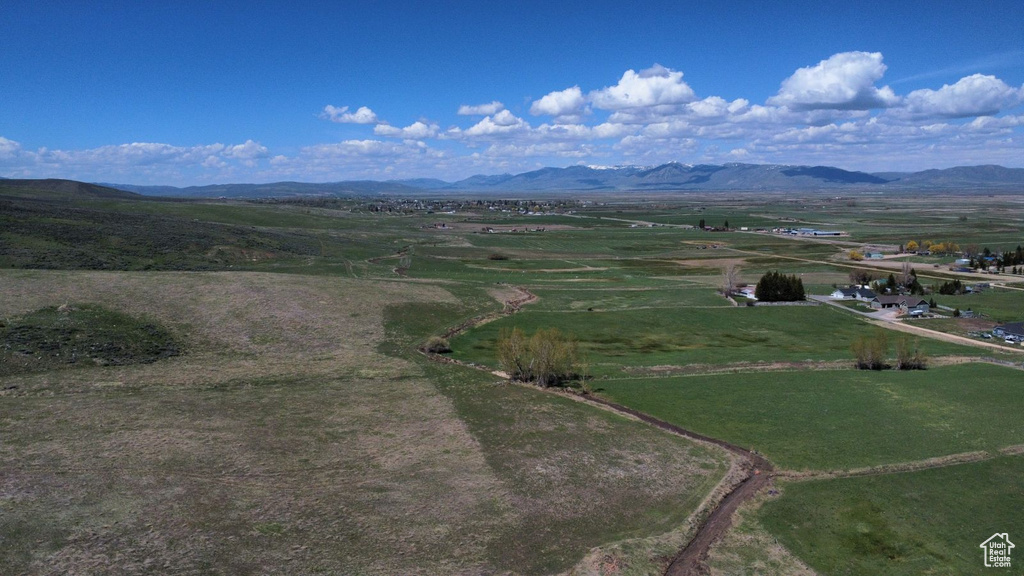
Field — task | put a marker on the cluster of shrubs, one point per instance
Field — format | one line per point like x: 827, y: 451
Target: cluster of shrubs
x: 548, y: 358
x: 83, y: 335
x: 871, y: 353
x: 436, y: 345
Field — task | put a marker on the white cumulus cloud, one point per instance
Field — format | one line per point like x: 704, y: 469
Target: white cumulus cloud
x: 976, y: 95
x: 845, y: 81
x: 418, y: 130
x: 481, y: 109
x: 502, y: 123
x: 8, y: 148
x: 248, y: 151
x: 655, y: 86
x: 341, y: 115
x: 568, y: 102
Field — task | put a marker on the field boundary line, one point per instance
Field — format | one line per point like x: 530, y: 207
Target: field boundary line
x: 904, y: 467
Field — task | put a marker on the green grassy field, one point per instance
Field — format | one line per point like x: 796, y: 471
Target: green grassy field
x: 996, y: 304
x: 827, y: 420
x: 689, y: 332
x: 927, y: 522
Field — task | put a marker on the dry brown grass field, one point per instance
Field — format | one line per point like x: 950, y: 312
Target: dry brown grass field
x: 284, y: 441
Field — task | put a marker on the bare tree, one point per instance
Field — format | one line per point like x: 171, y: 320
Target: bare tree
x: 547, y: 358
x: 909, y: 356
x: 512, y: 352
x: 861, y: 277
x: 869, y: 351
x: 905, y: 278
x: 730, y: 279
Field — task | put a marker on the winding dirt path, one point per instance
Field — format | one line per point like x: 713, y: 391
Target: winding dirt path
x: 510, y: 306
x: 692, y: 559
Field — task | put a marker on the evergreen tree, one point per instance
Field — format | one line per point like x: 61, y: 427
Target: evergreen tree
x: 775, y: 287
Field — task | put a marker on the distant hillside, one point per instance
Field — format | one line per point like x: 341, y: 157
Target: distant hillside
x: 671, y: 176
x: 960, y: 177
x: 664, y: 178
x: 54, y: 189
x: 421, y: 183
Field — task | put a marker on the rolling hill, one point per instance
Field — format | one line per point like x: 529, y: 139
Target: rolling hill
x: 671, y: 177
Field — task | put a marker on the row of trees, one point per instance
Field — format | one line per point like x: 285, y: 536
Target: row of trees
x: 872, y: 353
x: 906, y: 283
x: 951, y: 288
x: 775, y: 287
x: 1012, y: 259
x: 933, y: 247
x: 702, y: 224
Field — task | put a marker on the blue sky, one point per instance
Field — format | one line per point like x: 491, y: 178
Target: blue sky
x: 188, y: 93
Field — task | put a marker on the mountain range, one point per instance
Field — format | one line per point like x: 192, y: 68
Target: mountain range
x: 595, y: 179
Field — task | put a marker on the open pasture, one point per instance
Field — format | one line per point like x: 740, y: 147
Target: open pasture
x: 926, y: 522
x: 837, y: 420
x: 691, y: 330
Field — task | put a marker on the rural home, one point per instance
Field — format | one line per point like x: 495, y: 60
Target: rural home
x: 810, y: 232
x: 865, y: 294
x: 910, y: 304
x: 844, y: 293
x: 1013, y: 331
x: 853, y: 293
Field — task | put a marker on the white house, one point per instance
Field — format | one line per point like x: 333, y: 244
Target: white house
x: 853, y: 293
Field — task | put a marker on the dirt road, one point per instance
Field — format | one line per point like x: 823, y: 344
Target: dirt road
x: 944, y: 336
x: 889, y: 320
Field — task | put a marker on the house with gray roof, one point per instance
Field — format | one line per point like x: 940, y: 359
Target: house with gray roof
x: 1012, y: 331
x: 909, y: 304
